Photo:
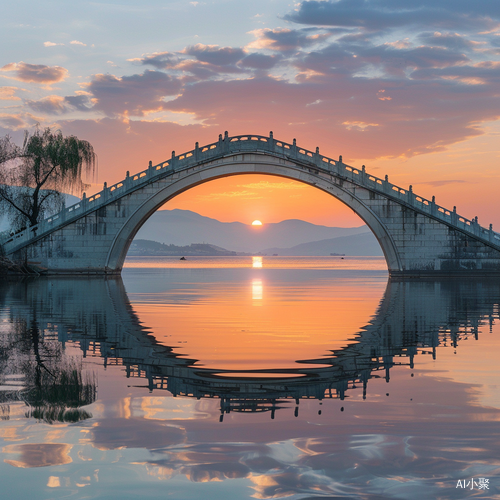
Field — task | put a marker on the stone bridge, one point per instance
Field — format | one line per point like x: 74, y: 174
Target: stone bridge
x: 418, y: 237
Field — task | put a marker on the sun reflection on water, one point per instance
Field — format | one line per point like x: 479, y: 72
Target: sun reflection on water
x: 257, y: 261
x: 257, y: 291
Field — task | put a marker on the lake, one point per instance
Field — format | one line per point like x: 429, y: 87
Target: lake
x: 249, y: 377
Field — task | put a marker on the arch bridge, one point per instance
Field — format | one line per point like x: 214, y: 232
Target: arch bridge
x: 417, y: 236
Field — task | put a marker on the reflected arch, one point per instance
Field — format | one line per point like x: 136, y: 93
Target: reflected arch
x: 249, y: 164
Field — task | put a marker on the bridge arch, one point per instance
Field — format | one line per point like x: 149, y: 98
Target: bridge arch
x: 418, y: 237
x: 249, y: 164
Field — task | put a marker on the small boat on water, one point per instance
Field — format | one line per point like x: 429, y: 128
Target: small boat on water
x: 183, y: 258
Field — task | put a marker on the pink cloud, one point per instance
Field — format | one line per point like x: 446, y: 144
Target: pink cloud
x: 36, y: 73
x: 134, y: 95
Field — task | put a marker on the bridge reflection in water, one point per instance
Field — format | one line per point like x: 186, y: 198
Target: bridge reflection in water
x: 413, y: 318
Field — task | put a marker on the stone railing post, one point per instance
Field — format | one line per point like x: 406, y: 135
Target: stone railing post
x: 150, y: 169
x: 226, y: 142
x: 84, y: 202
x: 410, y: 196
x: 386, y: 184
x: 173, y: 161
x: 341, y: 167
x: 270, y: 141
x: 363, y: 175
x: 454, y: 216
x: 127, y: 181
x: 490, y: 233
x: 317, y: 158
x: 433, y: 206
x: 294, y: 148
x: 196, y: 151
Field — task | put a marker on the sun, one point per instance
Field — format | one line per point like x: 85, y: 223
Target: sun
x: 256, y: 223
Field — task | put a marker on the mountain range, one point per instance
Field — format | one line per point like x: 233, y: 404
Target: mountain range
x: 289, y: 237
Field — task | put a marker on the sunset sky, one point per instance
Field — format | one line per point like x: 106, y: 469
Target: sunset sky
x: 411, y: 89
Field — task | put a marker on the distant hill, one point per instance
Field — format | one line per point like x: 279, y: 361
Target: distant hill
x: 153, y: 248
x: 183, y: 227
x: 354, y: 245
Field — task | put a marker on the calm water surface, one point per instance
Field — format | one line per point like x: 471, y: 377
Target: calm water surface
x: 264, y: 377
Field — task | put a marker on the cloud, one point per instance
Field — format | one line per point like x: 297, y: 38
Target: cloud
x: 51, y: 44
x: 134, y: 95
x: 443, y: 182
x: 9, y: 94
x: 284, y: 39
x: 204, y: 71
x: 260, y: 61
x: 18, y: 121
x: 442, y: 111
x: 58, y: 105
x: 448, y: 40
x: 359, y: 126
x: 36, y: 73
x: 390, y: 58
x: 479, y: 73
x: 76, y: 42
x: 79, y: 102
x: 53, y: 105
x: 210, y: 61
x: 213, y: 54
x: 12, y: 122
x: 160, y: 60
x: 382, y: 14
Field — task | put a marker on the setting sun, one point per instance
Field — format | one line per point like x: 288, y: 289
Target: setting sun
x: 256, y: 223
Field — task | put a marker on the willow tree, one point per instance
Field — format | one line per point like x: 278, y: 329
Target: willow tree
x: 35, y: 176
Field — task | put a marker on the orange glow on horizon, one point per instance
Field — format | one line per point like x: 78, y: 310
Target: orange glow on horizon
x: 258, y: 197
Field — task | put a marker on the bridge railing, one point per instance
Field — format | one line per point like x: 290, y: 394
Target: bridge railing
x: 313, y: 161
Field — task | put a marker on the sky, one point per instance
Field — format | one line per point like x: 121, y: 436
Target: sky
x: 410, y: 89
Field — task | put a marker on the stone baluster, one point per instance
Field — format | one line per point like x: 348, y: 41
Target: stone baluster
x: 433, y: 206
x: 225, y: 144
x: 84, y: 202
x: 173, y: 161
x: 340, y: 166
x: 490, y: 233
x: 317, y: 158
x: 454, y: 216
x: 387, y: 187
x: 294, y: 148
x: 196, y: 151
x: 63, y: 213
x: 477, y: 229
x: 270, y: 141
